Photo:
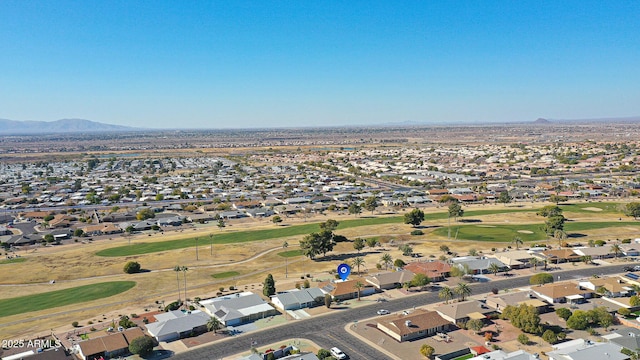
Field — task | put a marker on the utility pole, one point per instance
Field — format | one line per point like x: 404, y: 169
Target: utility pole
x: 211, y: 243
x: 196, y: 248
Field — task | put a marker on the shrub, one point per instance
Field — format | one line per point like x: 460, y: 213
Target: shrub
x: 550, y: 337
x: 542, y: 278
x: 75, y: 324
x: 417, y: 232
x: 142, y: 345
x: 399, y: 263
x: 523, y: 339
x: 599, y: 242
x: 221, y: 288
x: 624, y: 312
x: 564, y: 313
x: 132, y: 267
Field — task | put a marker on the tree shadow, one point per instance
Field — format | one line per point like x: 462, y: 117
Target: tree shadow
x: 470, y: 221
x: 576, y: 235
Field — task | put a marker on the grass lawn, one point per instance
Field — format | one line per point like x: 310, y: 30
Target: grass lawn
x: 14, y: 260
x: 506, y: 233
x: 291, y: 253
x: 226, y: 274
x: 52, y: 299
x: 607, y: 208
x: 279, y: 232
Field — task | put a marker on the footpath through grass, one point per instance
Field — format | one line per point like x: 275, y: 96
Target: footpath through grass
x: 52, y: 299
x: 268, y: 234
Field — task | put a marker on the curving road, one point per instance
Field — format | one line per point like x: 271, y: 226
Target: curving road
x: 328, y: 330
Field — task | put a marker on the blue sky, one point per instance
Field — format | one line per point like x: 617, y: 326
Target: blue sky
x: 243, y: 64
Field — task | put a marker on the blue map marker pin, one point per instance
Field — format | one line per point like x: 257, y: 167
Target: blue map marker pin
x: 343, y: 271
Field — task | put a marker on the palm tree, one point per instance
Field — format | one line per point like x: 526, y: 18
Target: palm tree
x: 184, y: 270
x: 387, y: 260
x: 358, y: 286
x: 177, y: 269
x: 494, y: 268
x: 616, y: 250
x: 446, y: 294
x: 535, y: 262
x: 214, y: 324
x: 357, y: 261
x: 462, y: 290
x: 517, y: 241
x: 587, y: 259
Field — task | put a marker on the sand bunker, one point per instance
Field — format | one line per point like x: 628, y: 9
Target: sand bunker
x: 592, y: 209
x: 525, y: 232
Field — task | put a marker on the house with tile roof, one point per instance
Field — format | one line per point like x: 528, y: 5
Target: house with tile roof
x: 108, y: 346
x: 417, y: 324
x: 435, y: 270
x: 345, y: 290
x: 464, y: 311
x: 561, y: 293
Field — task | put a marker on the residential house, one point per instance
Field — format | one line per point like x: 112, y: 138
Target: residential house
x: 557, y: 256
x: 435, y: 270
x: 477, y: 264
x: 500, y: 301
x: 609, y: 286
x: 297, y: 299
x: 598, y: 252
x: 560, y: 293
x: 464, y: 311
x: 176, y: 324
x: 238, y: 308
x: 502, y: 355
x: 111, y: 345
x: 390, y: 279
x: 581, y: 349
x: 101, y: 229
x: 514, y: 259
x: 415, y: 325
x: 344, y: 290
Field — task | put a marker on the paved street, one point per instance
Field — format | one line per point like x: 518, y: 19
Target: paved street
x: 328, y: 330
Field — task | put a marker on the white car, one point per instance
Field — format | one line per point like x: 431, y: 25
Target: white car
x: 383, y: 312
x: 337, y: 353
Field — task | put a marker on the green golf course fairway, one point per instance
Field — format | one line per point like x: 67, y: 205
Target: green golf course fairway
x: 52, y: 299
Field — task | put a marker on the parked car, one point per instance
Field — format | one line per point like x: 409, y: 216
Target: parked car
x: 627, y: 268
x: 337, y: 353
x: 383, y: 312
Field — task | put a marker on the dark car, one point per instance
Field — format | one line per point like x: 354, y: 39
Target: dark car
x: 627, y: 268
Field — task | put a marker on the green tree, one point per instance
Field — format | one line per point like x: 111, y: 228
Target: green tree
x: 49, y: 238
x: 214, y: 324
x: 475, y: 324
x: 632, y: 209
x: 269, y: 288
x: 455, y: 210
x: 414, y: 217
x: 634, y: 301
x: 132, y: 267
x: 276, y: 219
x: 372, y: 242
x: 549, y: 211
x: 557, y: 198
x: 579, y: 320
x: 446, y: 294
x: 427, y: 350
x: 542, y: 278
x: 328, y: 300
x: 523, y: 339
x: 142, y: 345
x: 420, y: 280
x: 535, y: 262
x: 406, y: 249
x: 504, y: 198
x: 553, y: 224
x: 329, y: 225
x: 358, y: 244
x: 371, y: 203
x: 323, y: 354
x: 355, y: 209
x: 564, y: 313
x: 550, y: 337
x: 524, y: 317
x: 145, y: 214
x: 399, y: 263
x: 445, y: 249
x: 387, y: 260
x: 462, y: 290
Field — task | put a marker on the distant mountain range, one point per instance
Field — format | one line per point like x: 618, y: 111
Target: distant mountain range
x: 13, y: 127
